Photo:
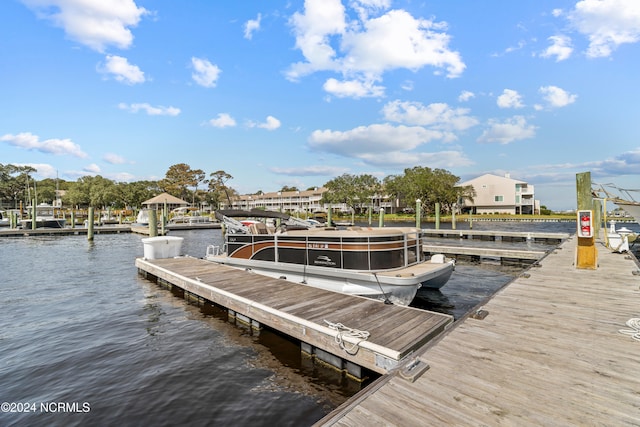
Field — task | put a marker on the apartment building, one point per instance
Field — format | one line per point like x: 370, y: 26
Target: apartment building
x: 308, y: 201
x: 500, y: 194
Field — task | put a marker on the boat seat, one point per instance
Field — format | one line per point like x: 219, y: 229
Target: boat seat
x: 258, y: 228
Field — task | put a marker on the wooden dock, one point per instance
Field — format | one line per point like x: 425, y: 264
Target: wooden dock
x: 545, y: 350
x: 67, y: 231
x: 300, y: 311
x: 482, y: 254
x: 498, y: 235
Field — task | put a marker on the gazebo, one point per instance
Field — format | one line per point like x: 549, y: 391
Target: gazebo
x: 158, y: 202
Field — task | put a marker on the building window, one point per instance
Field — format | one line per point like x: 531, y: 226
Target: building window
x: 517, y: 200
x: 499, y: 198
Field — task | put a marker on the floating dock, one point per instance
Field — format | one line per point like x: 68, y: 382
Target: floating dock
x: 67, y: 231
x: 308, y: 314
x: 547, y: 349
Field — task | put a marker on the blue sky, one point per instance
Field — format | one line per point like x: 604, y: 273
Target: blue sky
x: 298, y: 92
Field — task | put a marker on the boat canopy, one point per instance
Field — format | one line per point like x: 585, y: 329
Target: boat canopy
x: 253, y: 213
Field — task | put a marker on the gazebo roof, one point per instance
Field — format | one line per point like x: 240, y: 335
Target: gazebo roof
x: 165, y: 197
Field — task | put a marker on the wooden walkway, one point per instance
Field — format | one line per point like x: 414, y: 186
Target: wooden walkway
x: 549, y: 352
x: 300, y: 311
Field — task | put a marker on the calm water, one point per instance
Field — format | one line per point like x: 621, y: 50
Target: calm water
x: 86, y: 340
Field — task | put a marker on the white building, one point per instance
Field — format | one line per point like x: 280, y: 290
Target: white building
x: 308, y: 201
x: 500, y: 194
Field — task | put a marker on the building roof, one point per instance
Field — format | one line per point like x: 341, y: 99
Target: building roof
x: 165, y: 198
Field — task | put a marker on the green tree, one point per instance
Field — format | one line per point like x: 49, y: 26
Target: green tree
x: 95, y: 191
x: 431, y: 186
x: 356, y: 191
x: 179, y: 178
x: 219, y: 192
x: 15, y: 183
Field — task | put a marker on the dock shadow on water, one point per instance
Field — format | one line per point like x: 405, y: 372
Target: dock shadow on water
x: 469, y: 286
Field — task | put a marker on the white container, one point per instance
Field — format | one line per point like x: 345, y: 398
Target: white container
x: 162, y: 247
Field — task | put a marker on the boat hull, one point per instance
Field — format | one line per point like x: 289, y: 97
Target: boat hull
x: 45, y: 223
x: 398, y: 286
x: 632, y: 209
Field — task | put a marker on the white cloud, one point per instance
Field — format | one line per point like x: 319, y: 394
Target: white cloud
x: 353, y: 88
x: 92, y: 168
x: 270, y: 124
x: 93, y: 23
x: 557, y: 97
x: 222, y: 120
x: 114, y: 159
x: 363, y: 49
x: 438, y: 116
x: 513, y: 129
x: 607, y: 24
x: 32, y: 142
x: 560, y: 48
x: 251, y: 26
x: 387, y: 145
x: 206, y: 74
x: 310, y: 171
x: 439, y: 159
x: 42, y: 169
x: 466, y: 95
x: 149, y: 109
x: 510, y: 99
x: 121, y: 70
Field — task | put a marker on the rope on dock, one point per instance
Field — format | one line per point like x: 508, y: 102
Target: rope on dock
x: 349, y: 332
x: 633, y: 323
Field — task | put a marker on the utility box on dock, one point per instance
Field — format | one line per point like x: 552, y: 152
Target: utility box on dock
x: 586, y: 252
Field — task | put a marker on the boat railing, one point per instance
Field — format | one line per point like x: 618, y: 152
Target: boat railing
x: 411, y: 244
x: 213, y: 250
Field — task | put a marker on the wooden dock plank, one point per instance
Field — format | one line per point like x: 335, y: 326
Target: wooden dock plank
x: 548, y: 353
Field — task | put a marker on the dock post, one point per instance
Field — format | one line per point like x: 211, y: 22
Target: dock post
x: 586, y: 253
x: 329, y: 216
x: 90, y: 224
x: 73, y: 218
x: 370, y: 209
x: 453, y: 216
x: 437, y: 216
x: 33, y: 214
x: 381, y: 218
x: 153, y: 223
x: 419, y: 213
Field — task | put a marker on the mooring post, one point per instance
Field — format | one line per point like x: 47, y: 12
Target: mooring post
x: 329, y: 216
x: 153, y: 223
x: 453, y: 216
x: 370, y: 209
x: 437, y: 216
x: 90, y: 224
x: 381, y: 218
x: 586, y: 253
x: 419, y: 213
x: 33, y: 214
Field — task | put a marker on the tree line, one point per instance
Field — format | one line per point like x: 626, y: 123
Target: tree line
x: 431, y: 186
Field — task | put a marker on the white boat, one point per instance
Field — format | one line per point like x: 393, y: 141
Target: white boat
x: 383, y: 263
x: 4, y: 219
x: 143, y: 217
x: 45, y: 218
x: 626, y: 202
x: 187, y: 216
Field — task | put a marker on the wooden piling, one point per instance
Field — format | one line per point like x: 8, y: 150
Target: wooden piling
x: 90, y: 224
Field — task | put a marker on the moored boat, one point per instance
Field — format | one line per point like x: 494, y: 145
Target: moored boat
x: 383, y: 263
x: 45, y: 218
